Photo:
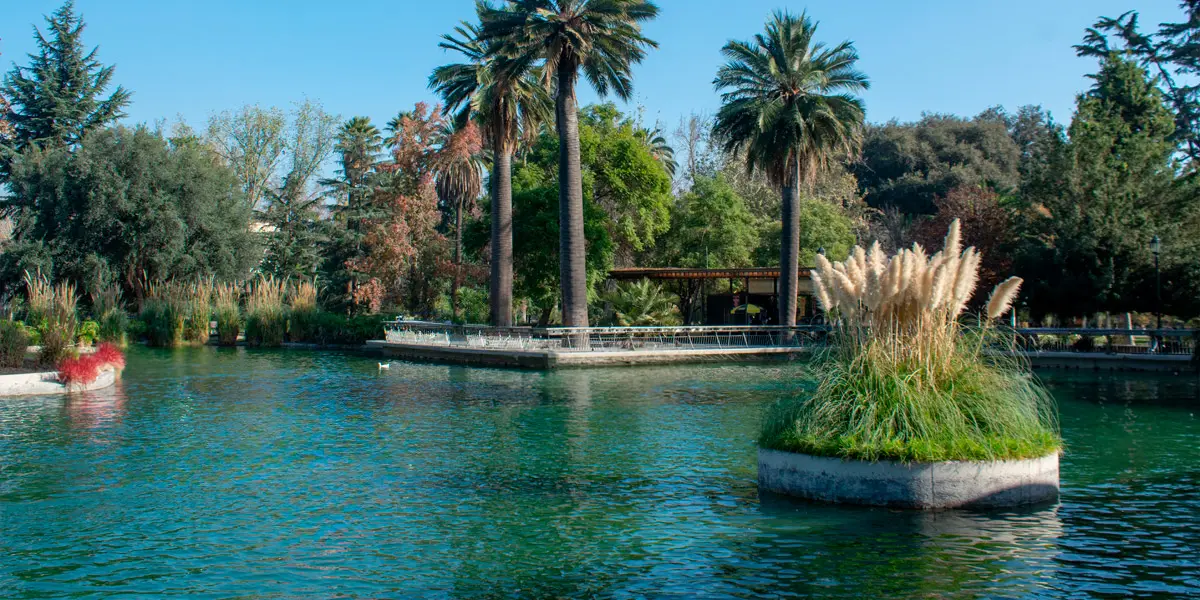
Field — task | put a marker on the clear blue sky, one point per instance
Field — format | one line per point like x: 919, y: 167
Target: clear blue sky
x: 372, y: 57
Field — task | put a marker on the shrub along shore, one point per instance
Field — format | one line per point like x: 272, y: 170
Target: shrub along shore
x: 266, y: 312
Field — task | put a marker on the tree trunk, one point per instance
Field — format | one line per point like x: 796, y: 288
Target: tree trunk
x: 501, y: 291
x: 572, y: 249
x: 454, y: 285
x: 789, y: 252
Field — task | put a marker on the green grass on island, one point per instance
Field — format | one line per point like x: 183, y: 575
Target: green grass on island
x: 865, y: 410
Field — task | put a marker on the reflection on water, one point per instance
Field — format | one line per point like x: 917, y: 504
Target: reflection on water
x: 234, y: 472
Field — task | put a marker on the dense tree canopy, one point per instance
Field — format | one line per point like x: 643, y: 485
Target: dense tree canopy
x: 128, y: 204
x: 908, y: 165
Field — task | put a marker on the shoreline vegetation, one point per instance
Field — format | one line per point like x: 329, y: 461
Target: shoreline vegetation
x: 905, y: 378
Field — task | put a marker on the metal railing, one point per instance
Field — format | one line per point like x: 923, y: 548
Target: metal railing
x: 1029, y: 340
x: 602, y: 338
x: 1109, y: 341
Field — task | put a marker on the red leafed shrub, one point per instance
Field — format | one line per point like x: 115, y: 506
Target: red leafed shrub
x: 85, y: 369
x: 82, y: 370
x: 110, y: 355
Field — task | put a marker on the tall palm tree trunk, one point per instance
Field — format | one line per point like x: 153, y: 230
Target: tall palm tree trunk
x: 572, y: 249
x: 458, y: 247
x: 789, y: 251
x: 502, y: 241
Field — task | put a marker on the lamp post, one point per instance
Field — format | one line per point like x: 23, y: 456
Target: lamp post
x: 1156, y: 247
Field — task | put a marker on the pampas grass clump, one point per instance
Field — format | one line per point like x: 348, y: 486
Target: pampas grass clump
x: 164, y: 312
x: 904, y: 379
x: 266, y: 313
x: 226, y: 306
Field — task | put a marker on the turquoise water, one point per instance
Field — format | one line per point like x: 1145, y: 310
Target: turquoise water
x: 233, y: 473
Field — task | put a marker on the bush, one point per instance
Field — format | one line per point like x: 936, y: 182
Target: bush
x: 229, y: 317
x: 266, y: 314
x: 902, y: 379
x: 79, y: 370
x: 109, y: 354
x: 89, y: 332
x: 14, y: 340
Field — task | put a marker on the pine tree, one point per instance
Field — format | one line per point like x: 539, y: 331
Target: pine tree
x: 57, y: 99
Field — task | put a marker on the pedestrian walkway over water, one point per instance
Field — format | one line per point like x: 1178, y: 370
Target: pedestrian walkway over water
x: 550, y: 348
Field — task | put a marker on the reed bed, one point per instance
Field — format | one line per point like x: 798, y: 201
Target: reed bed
x: 904, y: 378
x: 266, y: 312
x: 226, y: 306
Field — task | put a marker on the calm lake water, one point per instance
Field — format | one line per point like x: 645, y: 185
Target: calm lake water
x: 234, y: 473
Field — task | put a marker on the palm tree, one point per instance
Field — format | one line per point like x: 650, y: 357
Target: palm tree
x: 643, y: 303
x: 358, y: 146
x: 660, y: 149
x: 505, y: 99
x: 458, y: 171
x: 604, y: 39
x: 789, y: 107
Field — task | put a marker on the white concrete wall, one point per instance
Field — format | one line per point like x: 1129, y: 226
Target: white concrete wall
x: 915, y: 485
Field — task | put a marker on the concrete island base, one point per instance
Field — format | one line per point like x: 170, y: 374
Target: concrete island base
x: 39, y: 384
x: 916, y: 485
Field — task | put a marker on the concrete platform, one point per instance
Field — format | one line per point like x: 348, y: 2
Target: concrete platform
x: 917, y: 485
x: 556, y: 359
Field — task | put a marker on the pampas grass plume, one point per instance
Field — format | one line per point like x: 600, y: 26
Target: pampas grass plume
x: 1003, y: 297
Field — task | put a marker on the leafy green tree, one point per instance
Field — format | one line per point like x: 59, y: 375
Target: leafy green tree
x: 292, y: 211
x: 908, y: 165
x: 252, y: 141
x: 1090, y: 252
x: 710, y: 228
x: 508, y: 102
x: 58, y: 98
x: 601, y: 38
x: 1172, y: 54
x: 789, y: 107
x: 627, y: 178
x: 130, y: 203
x: 642, y: 304
x: 822, y: 225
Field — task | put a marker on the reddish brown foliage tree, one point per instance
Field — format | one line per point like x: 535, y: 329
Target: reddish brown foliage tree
x: 402, y: 240
x: 985, y: 224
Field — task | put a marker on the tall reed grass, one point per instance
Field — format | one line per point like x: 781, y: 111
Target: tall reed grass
x: 904, y: 378
x: 164, y: 313
x: 199, y: 310
x: 52, y: 310
x: 110, y: 314
x: 304, y: 319
x: 226, y: 306
x: 266, y: 313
